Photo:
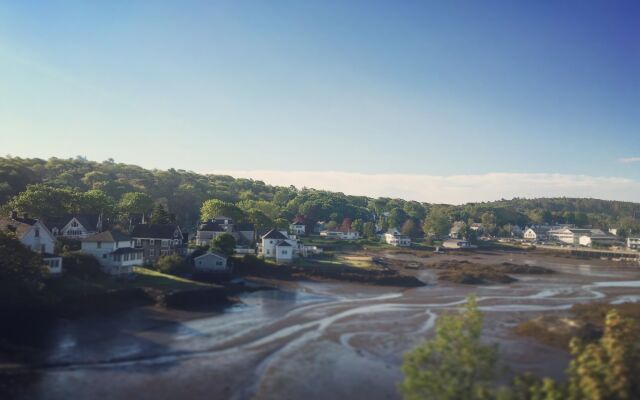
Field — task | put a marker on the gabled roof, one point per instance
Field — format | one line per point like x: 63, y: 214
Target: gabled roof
x: 19, y: 226
x: 108, y: 236
x: 283, y: 243
x: 210, y: 226
x: 88, y: 221
x: 211, y: 253
x: 155, y: 231
x: 274, y: 234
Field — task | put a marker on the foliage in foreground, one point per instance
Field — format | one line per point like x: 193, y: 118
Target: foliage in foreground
x: 455, y: 364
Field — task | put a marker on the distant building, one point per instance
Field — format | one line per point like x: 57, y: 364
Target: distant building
x: 537, y: 233
x: 278, y: 245
x: 298, y: 226
x: 76, y: 226
x: 114, y: 251
x: 343, y: 232
x: 456, y: 228
x: 244, y: 233
x: 395, y: 238
x: 568, y: 235
x: 633, y: 243
x: 34, y: 235
x: 582, y: 236
x: 157, y: 240
x: 456, y: 244
x: 211, y: 262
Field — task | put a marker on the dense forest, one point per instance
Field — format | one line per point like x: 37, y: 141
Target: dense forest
x: 46, y: 188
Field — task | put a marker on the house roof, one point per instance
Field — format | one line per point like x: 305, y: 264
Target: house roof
x: 154, y: 231
x: 19, y: 226
x: 89, y: 221
x: 108, y: 236
x: 208, y: 254
x: 283, y: 243
x: 274, y: 234
x: 210, y: 226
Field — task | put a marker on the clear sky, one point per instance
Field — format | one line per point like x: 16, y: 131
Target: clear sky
x: 363, y: 92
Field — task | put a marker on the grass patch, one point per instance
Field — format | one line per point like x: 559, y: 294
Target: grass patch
x: 142, y: 278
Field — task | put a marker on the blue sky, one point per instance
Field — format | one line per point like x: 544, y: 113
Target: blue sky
x: 433, y: 89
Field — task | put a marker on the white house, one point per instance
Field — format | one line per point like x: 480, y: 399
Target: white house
x: 568, y: 235
x: 284, y: 252
x: 395, y: 238
x: 279, y: 245
x: 633, y: 243
x: 537, y: 233
x: 297, y: 228
x: 75, y: 226
x: 34, y: 235
x: 598, y: 237
x: 211, y: 262
x: 114, y: 251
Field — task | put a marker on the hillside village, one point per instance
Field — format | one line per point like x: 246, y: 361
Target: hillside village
x: 118, y: 250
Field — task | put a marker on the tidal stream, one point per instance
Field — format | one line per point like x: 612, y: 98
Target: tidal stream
x: 308, y: 340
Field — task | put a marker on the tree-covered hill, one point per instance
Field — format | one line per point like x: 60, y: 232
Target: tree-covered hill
x: 46, y: 188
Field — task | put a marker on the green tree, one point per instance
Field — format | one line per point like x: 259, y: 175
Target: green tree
x: 224, y: 244
x: 368, y: 229
x: 609, y: 368
x: 135, y: 203
x: 397, y: 217
x: 95, y: 201
x: 44, y: 201
x: 437, y: 223
x: 159, y: 215
x: 217, y: 208
x: 455, y: 364
x: 409, y: 228
x: 21, y: 270
x: 172, y: 264
x: 357, y: 225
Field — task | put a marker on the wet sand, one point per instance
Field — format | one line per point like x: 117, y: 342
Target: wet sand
x: 313, y: 340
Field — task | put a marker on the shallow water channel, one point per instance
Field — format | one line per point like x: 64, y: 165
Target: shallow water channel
x: 306, y: 340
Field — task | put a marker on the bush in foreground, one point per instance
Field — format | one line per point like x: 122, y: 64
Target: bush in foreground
x: 456, y: 365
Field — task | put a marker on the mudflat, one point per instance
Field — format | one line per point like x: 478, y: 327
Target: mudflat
x: 313, y: 340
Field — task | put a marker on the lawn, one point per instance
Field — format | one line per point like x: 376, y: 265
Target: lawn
x: 141, y: 278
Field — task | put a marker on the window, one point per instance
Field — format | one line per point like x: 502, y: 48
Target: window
x: 104, y: 256
x: 43, y: 249
x: 117, y: 243
x: 126, y: 257
x: 285, y: 252
x: 37, y: 232
x: 74, y: 224
x: 99, y: 245
x: 218, y: 262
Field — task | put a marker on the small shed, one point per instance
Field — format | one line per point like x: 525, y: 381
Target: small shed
x: 211, y: 262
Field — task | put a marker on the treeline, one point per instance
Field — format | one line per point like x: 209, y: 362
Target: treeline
x: 46, y: 188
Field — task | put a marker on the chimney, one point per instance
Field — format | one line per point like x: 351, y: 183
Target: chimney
x: 14, y: 214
